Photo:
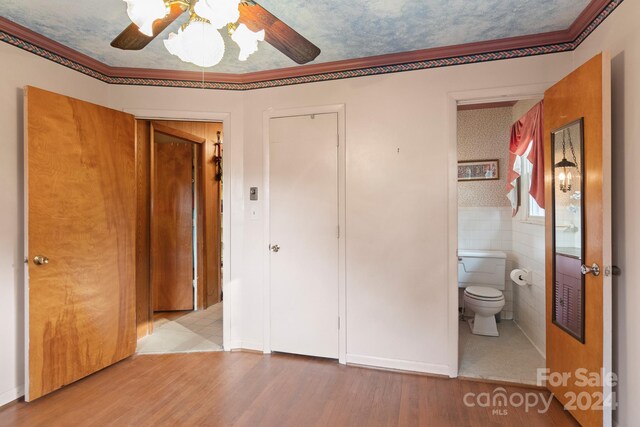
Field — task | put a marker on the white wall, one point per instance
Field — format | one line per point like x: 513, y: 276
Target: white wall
x: 18, y: 69
x: 397, y: 202
x: 620, y: 35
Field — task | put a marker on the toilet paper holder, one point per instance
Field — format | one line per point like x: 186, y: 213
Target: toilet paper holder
x: 522, y: 276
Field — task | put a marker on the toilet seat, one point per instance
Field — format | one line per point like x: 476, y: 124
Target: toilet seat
x: 483, y: 293
x: 485, y: 302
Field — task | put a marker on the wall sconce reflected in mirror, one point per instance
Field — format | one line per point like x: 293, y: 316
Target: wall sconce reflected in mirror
x: 565, y: 177
x: 567, y: 222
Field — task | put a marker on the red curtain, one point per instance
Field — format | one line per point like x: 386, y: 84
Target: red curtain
x: 530, y: 128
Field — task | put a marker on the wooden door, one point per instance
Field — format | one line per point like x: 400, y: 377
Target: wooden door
x: 205, y: 134
x: 80, y: 197
x: 583, y: 97
x: 172, y: 223
x: 303, y: 188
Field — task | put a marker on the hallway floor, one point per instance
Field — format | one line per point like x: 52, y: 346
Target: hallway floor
x: 510, y: 357
x: 191, y: 332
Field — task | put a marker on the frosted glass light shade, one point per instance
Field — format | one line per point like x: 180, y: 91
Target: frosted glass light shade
x: 247, y: 40
x: 200, y: 43
x: 144, y: 12
x: 218, y: 12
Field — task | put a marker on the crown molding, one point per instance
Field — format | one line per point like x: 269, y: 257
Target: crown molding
x: 512, y: 47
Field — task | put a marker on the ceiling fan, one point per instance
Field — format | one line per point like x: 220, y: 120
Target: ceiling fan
x: 199, y: 40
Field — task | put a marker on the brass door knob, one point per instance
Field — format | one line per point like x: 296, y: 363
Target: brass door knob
x: 594, y: 269
x: 40, y: 260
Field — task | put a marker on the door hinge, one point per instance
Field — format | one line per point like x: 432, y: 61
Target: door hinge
x: 338, y: 140
x: 338, y: 322
x: 338, y: 231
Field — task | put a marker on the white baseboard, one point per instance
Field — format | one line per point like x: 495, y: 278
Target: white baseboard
x: 402, y: 365
x: 245, y: 345
x: 542, y: 353
x: 11, y: 395
x: 232, y: 345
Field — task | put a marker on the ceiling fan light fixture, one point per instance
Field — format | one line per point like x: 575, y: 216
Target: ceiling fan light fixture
x: 218, y: 12
x: 143, y: 13
x: 247, y: 40
x: 199, y: 43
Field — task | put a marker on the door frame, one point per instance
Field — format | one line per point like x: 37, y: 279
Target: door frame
x: 231, y: 298
x: 500, y: 94
x: 269, y: 114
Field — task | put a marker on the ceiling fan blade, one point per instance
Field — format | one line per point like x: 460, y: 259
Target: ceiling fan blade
x: 132, y: 39
x: 277, y: 33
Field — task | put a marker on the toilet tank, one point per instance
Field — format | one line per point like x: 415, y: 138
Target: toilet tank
x: 481, y: 268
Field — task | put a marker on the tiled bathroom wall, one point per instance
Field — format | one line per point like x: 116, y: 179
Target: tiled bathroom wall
x: 489, y: 228
x: 529, y: 301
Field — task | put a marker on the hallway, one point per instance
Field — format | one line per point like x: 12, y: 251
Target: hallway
x: 192, y: 332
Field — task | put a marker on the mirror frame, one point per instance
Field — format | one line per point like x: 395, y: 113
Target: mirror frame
x: 580, y: 123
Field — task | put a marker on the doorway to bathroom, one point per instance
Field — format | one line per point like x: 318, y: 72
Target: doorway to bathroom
x: 501, y: 324
x: 569, y: 133
x: 181, y: 262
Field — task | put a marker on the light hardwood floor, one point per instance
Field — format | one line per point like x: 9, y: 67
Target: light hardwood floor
x: 245, y: 389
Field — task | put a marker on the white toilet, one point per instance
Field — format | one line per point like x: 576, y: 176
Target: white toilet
x: 482, y: 275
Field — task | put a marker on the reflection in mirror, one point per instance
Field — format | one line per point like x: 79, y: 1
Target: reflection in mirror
x: 568, y: 223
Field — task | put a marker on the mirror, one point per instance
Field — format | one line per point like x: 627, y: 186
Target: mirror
x: 568, y: 225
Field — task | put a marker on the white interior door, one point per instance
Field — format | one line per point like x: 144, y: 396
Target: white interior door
x: 304, y: 233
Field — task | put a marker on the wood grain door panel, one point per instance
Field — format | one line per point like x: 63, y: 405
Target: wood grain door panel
x: 172, y: 224
x: 80, y: 213
x: 585, y: 93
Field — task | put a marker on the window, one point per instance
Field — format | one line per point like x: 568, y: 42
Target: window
x: 532, y: 211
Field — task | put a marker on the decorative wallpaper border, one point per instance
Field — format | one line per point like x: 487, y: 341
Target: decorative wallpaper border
x: 584, y: 25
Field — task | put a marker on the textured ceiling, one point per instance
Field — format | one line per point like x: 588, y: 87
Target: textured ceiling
x: 342, y: 29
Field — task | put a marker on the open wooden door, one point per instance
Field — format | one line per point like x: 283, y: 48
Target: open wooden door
x: 173, y: 201
x: 80, y: 199
x: 204, y: 136
x: 577, y: 122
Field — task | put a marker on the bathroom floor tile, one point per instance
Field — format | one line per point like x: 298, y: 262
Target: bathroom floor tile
x: 509, y: 357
